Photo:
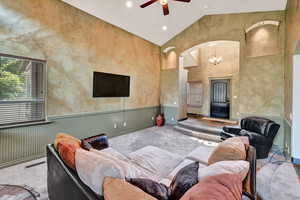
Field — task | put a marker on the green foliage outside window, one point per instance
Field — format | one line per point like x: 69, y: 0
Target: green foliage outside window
x: 12, y: 80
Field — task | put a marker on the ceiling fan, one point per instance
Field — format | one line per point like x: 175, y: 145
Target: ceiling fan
x: 164, y: 4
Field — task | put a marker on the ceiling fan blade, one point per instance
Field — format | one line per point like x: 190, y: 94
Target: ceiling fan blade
x: 166, y: 9
x: 148, y: 3
x: 187, y: 1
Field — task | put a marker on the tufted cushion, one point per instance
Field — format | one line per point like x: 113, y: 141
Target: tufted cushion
x: 119, y: 189
x: 230, y: 149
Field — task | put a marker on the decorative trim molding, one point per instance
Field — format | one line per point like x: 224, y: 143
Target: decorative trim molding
x: 262, y: 23
x: 77, y: 115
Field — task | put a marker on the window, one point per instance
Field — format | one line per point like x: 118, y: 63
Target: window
x: 22, y: 91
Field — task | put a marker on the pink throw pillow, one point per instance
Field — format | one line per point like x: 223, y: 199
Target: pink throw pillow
x: 220, y: 187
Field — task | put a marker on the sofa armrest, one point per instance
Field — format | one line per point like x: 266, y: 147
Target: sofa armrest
x: 63, y: 183
x: 248, y: 196
x: 232, y: 130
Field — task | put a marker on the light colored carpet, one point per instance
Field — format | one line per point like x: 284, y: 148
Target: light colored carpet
x: 35, y: 177
x: 165, y: 138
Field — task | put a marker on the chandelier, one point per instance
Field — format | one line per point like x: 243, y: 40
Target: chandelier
x: 215, y: 60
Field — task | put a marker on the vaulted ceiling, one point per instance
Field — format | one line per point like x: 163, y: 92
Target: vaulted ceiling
x: 148, y: 22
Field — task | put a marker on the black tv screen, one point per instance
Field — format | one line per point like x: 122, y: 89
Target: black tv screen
x: 111, y: 85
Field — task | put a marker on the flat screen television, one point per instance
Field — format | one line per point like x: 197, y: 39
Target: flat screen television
x: 111, y: 85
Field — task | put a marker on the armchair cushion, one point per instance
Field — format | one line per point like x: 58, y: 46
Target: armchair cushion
x: 256, y: 138
x: 232, y: 130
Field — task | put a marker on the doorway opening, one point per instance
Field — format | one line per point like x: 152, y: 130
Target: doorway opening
x: 220, y: 98
x: 206, y: 69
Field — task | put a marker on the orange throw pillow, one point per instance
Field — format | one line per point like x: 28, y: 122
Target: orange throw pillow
x: 221, y: 187
x: 64, y: 136
x: 67, y: 150
x: 230, y: 149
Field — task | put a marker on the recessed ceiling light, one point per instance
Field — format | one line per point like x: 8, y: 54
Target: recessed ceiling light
x: 164, y: 28
x: 129, y: 4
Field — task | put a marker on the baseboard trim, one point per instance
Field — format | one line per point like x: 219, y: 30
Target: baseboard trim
x: 296, y: 161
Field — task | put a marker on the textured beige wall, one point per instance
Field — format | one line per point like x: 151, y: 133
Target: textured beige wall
x: 169, y: 87
x: 292, y: 40
x: 261, y: 86
x: 75, y: 44
x: 227, y: 69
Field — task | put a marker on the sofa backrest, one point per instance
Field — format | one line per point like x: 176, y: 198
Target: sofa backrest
x: 261, y: 126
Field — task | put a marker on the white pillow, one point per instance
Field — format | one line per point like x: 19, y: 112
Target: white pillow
x: 110, y: 153
x: 225, y: 167
x: 93, y: 167
x: 201, y: 154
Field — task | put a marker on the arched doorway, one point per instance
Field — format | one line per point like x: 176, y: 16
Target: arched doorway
x: 202, y: 65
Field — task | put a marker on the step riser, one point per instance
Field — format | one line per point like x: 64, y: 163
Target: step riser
x: 188, y: 132
x: 199, y: 129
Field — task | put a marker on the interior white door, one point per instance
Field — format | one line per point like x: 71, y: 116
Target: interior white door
x: 296, y: 109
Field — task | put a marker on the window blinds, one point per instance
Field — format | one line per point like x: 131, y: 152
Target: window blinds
x: 22, y: 91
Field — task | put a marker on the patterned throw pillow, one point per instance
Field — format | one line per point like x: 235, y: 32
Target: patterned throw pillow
x: 98, y: 142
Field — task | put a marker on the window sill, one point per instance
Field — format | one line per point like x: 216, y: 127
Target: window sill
x: 26, y: 124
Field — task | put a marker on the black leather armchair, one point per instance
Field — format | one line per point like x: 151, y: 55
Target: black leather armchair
x: 260, y: 131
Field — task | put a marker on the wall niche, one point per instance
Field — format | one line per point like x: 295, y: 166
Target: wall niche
x: 262, y: 39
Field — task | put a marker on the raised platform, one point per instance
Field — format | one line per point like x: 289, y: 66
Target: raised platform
x: 200, y: 128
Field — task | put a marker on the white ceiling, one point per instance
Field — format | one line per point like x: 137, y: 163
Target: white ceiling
x: 148, y: 22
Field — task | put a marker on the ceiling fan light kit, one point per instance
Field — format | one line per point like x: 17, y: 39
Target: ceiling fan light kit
x: 164, y: 4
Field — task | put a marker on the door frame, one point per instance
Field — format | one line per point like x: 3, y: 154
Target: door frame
x: 296, y: 110
x: 229, y: 78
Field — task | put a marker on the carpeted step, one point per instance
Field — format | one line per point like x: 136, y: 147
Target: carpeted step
x: 200, y: 127
x: 196, y: 134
